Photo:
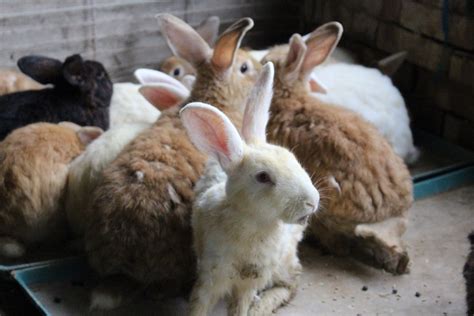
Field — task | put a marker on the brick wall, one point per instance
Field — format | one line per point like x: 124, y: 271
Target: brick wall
x: 123, y: 34
x: 438, y: 80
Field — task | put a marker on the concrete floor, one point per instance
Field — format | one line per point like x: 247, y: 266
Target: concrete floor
x: 438, y: 246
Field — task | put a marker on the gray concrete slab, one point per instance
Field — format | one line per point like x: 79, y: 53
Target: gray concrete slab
x: 438, y: 246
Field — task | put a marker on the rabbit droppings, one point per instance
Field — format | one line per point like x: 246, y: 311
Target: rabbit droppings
x: 140, y: 232
x: 81, y: 94
x: 248, y: 223
x: 371, y: 184
x: 34, y: 162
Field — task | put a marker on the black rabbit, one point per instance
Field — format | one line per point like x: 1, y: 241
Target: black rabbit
x: 81, y: 94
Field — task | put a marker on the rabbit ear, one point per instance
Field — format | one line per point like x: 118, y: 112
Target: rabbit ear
x: 88, y: 134
x: 208, y: 29
x: 73, y: 70
x: 295, y: 57
x: 151, y: 76
x: 163, y: 95
x: 213, y: 133
x: 183, y: 40
x: 188, y: 81
x: 256, y: 112
x: 320, y: 44
x: 43, y: 69
x: 228, y: 44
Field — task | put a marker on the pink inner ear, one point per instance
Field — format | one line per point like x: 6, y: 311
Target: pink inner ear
x: 316, y: 87
x: 159, y: 97
x: 213, y: 130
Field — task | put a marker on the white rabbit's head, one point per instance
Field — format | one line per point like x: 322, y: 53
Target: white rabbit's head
x: 265, y: 182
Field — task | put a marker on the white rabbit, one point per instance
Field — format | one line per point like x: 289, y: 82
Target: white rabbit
x: 128, y: 105
x: 85, y: 170
x: 249, y: 220
x: 373, y: 96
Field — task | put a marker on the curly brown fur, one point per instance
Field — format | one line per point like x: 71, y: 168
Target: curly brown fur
x: 34, y: 162
x: 469, y: 277
x: 140, y: 223
x: 374, y: 184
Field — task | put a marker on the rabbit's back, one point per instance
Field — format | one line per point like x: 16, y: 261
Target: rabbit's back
x: 141, y: 210
x: 374, y: 182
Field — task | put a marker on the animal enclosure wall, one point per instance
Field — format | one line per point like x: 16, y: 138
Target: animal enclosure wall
x: 438, y: 79
x: 124, y: 34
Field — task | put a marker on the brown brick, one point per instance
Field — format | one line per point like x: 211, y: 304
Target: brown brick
x: 462, y: 68
x: 364, y: 27
x: 421, y: 51
x: 428, y: 20
x: 391, y: 10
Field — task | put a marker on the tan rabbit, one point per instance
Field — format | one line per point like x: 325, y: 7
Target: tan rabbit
x: 179, y: 67
x: 140, y: 231
x: 14, y: 81
x: 371, y: 186
x: 34, y: 162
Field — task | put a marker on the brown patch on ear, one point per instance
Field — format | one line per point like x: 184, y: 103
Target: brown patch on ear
x: 321, y: 44
x: 228, y: 43
x: 88, y: 134
x: 294, y: 59
x: 161, y: 96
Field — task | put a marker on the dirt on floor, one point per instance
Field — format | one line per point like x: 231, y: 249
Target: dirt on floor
x: 438, y: 247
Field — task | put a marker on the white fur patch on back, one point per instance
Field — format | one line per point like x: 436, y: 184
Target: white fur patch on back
x: 10, y: 248
x: 140, y: 176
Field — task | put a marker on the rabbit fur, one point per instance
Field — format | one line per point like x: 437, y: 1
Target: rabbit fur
x: 81, y: 94
x: 370, y: 188
x: 140, y: 229
x: 247, y: 225
x: 85, y: 171
x: 14, y: 81
x: 179, y: 67
x: 34, y: 162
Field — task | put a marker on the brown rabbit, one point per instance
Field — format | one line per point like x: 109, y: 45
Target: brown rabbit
x: 370, y: 186
x: 139, y: 234
x: 14, y: 81
x: 34, y: 162
x: 178, y: 67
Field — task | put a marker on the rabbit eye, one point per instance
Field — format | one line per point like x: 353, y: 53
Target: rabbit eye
x: 263, y: 177
x: 176, y: 72
x: 244, y: 68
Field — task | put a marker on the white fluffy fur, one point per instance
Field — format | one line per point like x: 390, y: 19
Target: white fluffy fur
x: 339, y: 55
x: 371, y: 94
x: 246, y: 231
x: 10, y: 248
x: 85, y: 170
x: 129, y: 106
x: 104, y: 301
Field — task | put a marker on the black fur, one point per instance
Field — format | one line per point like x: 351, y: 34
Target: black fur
x: 469, y: 276
x: 81, y: 94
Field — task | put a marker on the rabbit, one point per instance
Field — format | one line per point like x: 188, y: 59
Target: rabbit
x: 369, y: 186
x: 150, y: 76
x: 468, y: 273
x: 14, y: 81
x: 81, y: 94
x: 179, y: 67
x: 367, y: 92
x: 139, y: 232
x: 247, y: 225
x: 34, y: 162
x: 85, y: 171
